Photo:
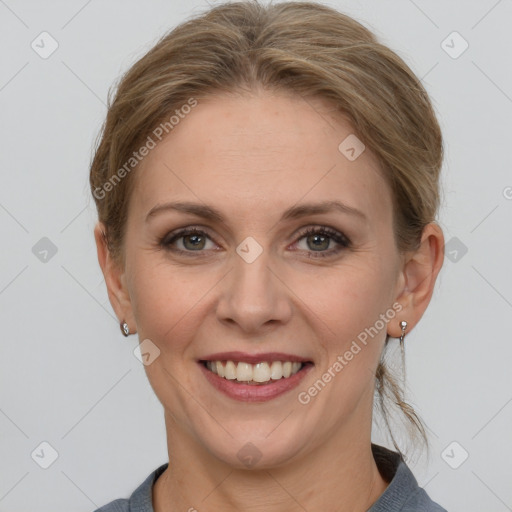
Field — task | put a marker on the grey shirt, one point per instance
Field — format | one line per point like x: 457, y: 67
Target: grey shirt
x: 402, y: 494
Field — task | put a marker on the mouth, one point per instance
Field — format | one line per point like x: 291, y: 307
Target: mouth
x: 255, y: 379
x: 258, y: 374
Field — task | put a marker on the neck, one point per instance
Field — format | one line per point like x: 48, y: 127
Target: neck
x: 343, y: 469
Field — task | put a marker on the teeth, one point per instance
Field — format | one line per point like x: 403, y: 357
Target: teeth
x: 230, y: 371
x: 244, y: 372
x: 276, y: 370
x: 219, y: 369
x: 261, y: 372
x: 257, y: 373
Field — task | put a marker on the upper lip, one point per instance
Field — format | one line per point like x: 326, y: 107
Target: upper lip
x: 245, y: 357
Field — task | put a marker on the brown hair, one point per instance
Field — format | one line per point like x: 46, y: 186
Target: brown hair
x: 301, y: 47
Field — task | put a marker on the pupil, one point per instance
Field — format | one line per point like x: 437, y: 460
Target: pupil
x: 316, y: 237
x: 196, y: 238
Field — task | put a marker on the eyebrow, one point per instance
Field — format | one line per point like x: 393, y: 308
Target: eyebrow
x: 295, y: 212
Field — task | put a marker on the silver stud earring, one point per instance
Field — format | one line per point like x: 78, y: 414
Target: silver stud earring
x: 125, y: 329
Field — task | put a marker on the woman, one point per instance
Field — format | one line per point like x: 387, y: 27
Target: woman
x: 267, y: 187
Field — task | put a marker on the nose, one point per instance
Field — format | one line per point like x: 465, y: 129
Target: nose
x: 254, y: 295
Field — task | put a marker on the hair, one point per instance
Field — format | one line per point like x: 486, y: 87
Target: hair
x: 305, y: 48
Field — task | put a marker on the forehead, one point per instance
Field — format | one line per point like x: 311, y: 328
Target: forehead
x: 269, y: 150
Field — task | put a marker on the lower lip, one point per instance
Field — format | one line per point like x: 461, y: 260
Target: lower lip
x: 255, y: 393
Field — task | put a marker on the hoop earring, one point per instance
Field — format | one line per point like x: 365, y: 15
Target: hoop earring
x: 125, y: 329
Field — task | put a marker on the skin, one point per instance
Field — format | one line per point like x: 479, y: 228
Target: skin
x: 252, y: 156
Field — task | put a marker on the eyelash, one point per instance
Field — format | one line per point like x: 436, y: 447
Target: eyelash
x: 338, y: 237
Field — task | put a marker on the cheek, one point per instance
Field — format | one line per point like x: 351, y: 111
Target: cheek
x: 347, y: 309
x: 159, y: 299
x: 352, y: 334
x: 169, y: 301
x: 348, y: 298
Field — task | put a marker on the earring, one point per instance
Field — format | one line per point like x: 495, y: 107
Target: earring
x: 125, y: 329
x: 403, y: 325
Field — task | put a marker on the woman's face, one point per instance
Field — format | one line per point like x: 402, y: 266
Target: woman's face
x: 252, y: 282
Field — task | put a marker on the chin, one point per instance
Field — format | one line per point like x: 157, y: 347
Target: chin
x: 262, y: 446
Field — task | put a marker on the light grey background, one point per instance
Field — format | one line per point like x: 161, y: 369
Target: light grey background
x: 69, y: 378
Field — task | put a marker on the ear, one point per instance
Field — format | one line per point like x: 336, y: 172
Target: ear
x: 418, y: 277
x: 114, y: 279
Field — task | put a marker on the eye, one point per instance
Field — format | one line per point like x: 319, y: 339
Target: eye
x: 192, y: 240
x: 319, y: 238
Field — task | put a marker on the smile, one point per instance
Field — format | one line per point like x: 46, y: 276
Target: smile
x: 255, y: 381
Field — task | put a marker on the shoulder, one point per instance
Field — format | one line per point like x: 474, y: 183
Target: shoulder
x: 403, y: 492
x: 420, y: 502
x: 121, y: 505
x: 141, y: 498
